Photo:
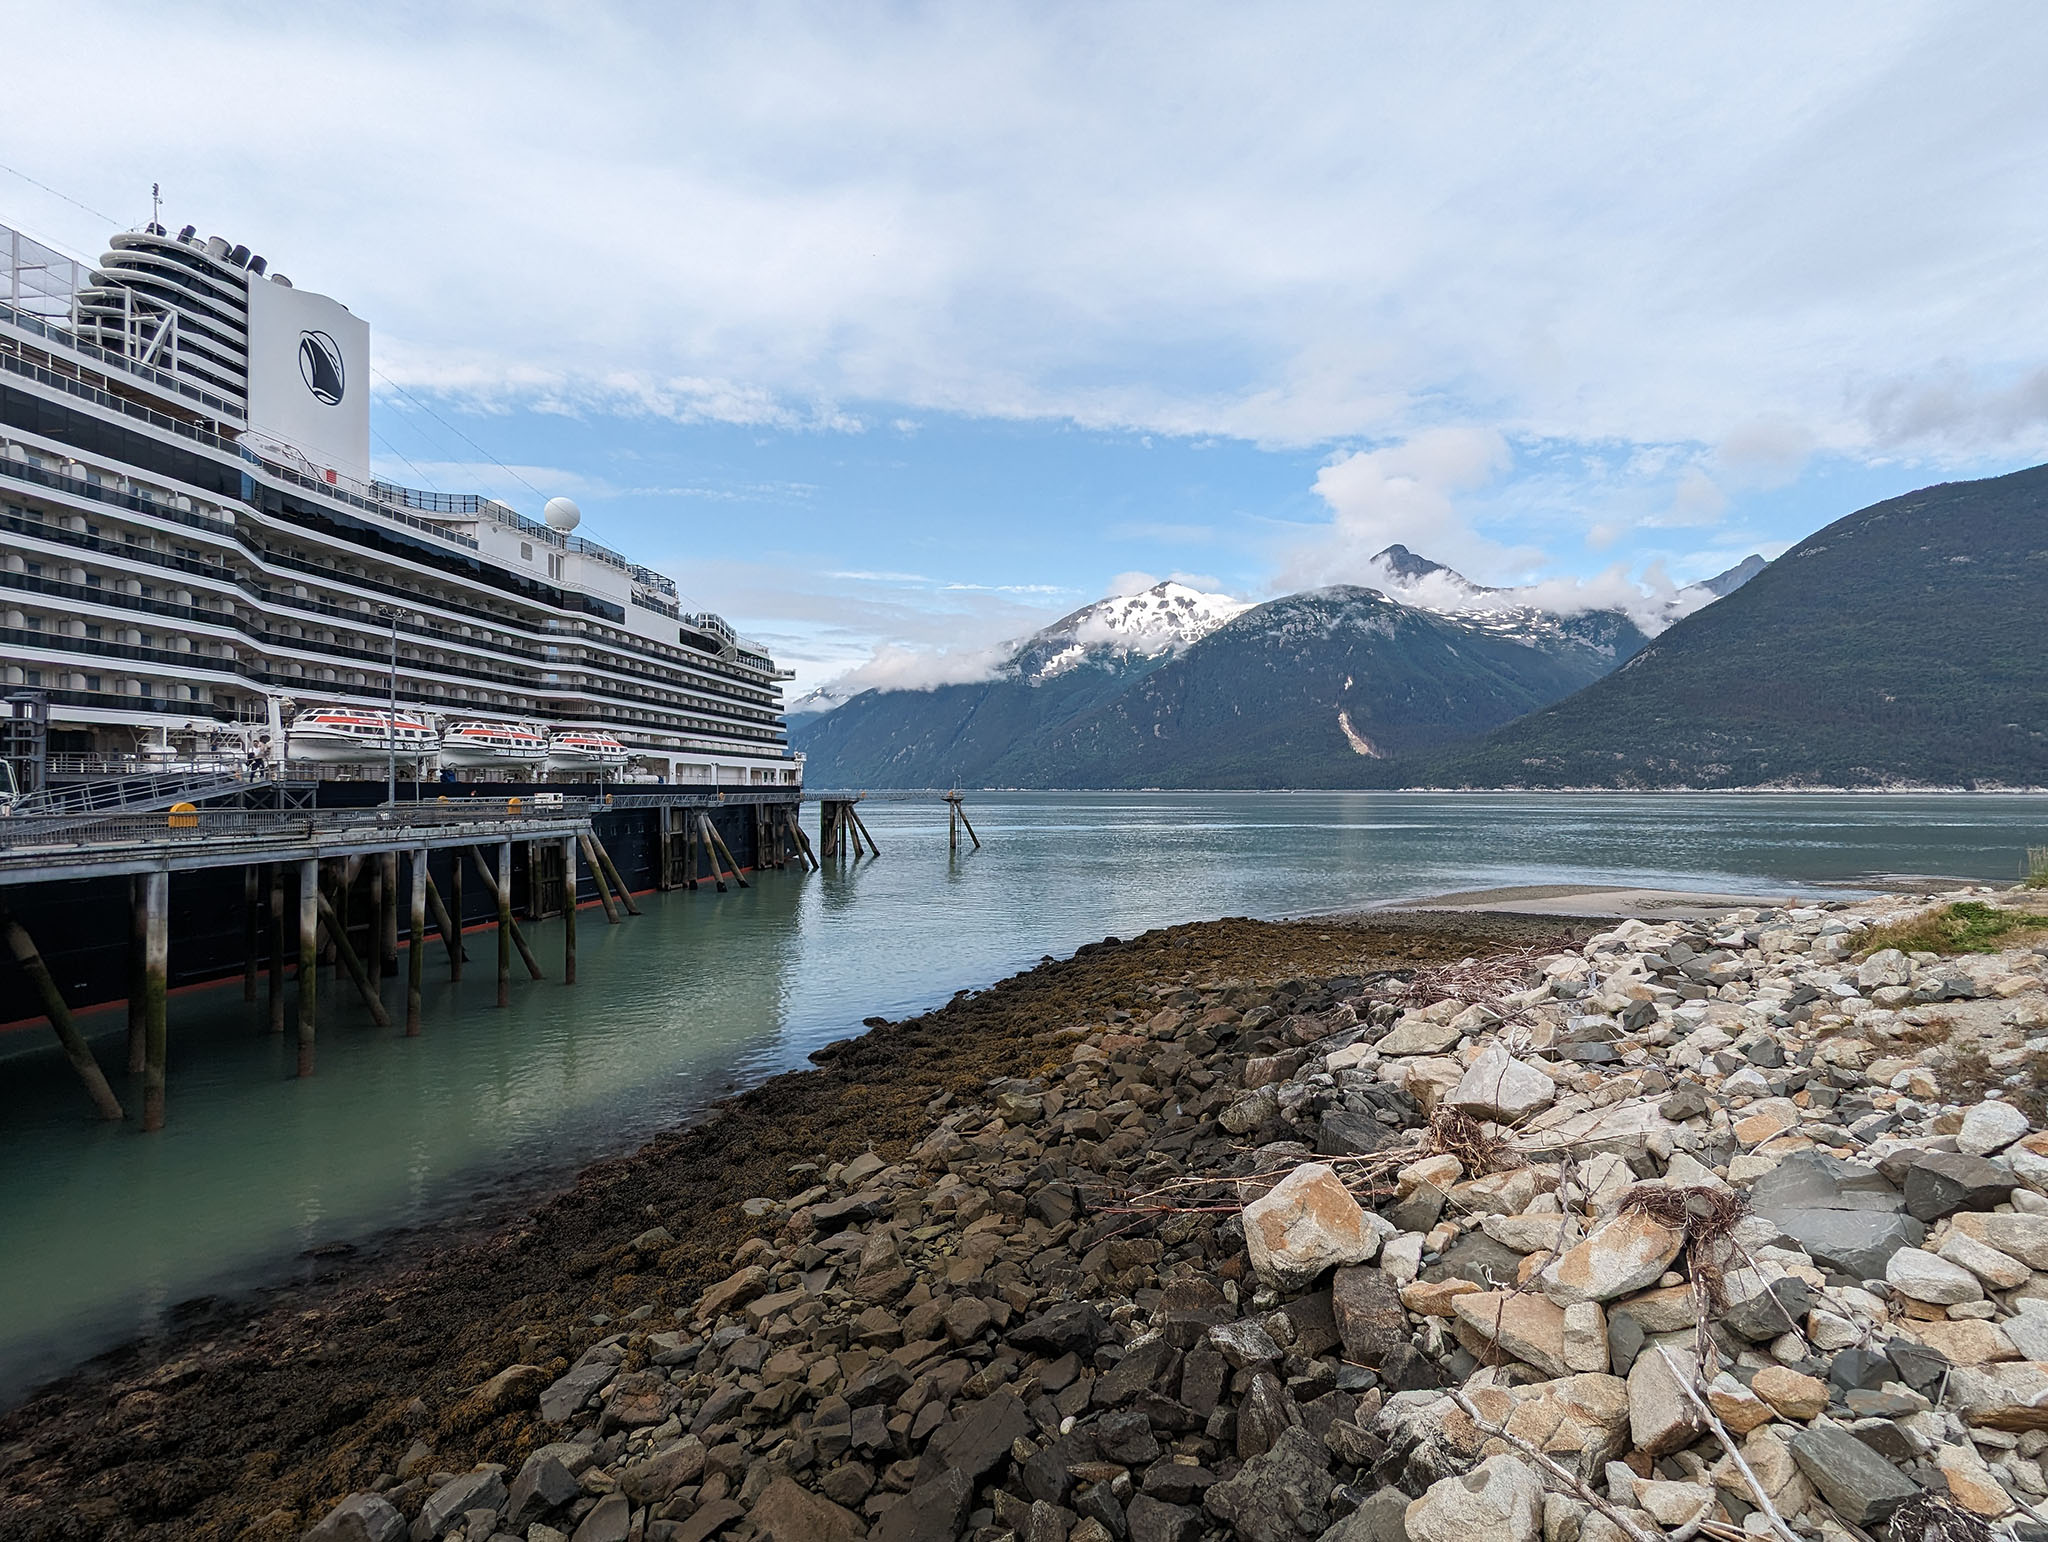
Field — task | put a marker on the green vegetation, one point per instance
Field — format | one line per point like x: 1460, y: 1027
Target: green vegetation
x: 2037, y: 867
x: 1901, y: 644
x: 1968, y: 926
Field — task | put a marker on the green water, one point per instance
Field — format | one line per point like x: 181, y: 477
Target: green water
x: 103, y: 1231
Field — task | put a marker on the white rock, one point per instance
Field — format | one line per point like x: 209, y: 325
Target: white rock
x: 1887, y: 966
x: 1499, y: 1087
x: 1625, y: 1254
x: 1500, y: 1500
x: 1990, y: 1127
x: 1928, y: 1277
x: 1999, y: 1270
x: 1307, y: 1223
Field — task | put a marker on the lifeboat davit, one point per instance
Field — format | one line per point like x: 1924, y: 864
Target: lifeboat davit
x: 351, y: 736
x: 584, y: 749
x: 486, y: 744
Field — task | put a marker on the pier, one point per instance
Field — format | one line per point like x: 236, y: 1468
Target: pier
x: 274, y: 892
x: 124, y: 898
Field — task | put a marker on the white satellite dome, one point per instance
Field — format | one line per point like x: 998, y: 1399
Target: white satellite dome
x: 562, y: 514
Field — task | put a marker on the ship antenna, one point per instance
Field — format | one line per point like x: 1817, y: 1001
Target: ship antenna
x: 156, y: 206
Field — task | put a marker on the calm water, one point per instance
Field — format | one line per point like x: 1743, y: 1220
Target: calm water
x: 103, y: 1231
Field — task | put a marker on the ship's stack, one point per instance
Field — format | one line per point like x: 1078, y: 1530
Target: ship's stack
x: 1699, y: 1230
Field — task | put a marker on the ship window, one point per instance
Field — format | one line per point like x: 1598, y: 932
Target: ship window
x: 92, y: 629
x: 526, y: 551
x: 35, y: 570
x: 92, y: 682
x: 33, y: 676
x: 92, y: 580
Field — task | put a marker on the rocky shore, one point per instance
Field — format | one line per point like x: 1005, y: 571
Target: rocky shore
x: 1358, y: 1233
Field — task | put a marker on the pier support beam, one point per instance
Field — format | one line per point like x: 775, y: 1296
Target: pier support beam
x: 416, y: 955
x: 455, y: 909
x: 503, y: 894
x: 500, y: 889
x: 156, y: 958
x: 309, y: 960
x: 76, y: 1050
x: 274, y: 929
x: 612, y: 870
x: 716, y: 843
x: 365, y: 983
x: 862, y: 833
x: 251, y: 923
x: 451, y: 933
x: 604, y: 888
x: 569, y: 907
x: 387, y: 886
x: 137, y: 943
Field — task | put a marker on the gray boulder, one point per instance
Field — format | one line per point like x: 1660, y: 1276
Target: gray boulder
x: 1281, y: 1496
x: 360, y: 1518
x: 1842, y: 1215
x: 1862, y: 1486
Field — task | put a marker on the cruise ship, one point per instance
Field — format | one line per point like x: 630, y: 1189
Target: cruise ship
x: 197, y: 564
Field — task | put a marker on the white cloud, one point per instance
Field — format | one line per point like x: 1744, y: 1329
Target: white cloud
x: 1405, y: 493
x: 1299, y: 225
x: 921, y: 669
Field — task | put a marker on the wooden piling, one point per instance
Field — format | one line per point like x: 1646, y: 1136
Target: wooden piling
x: 309, y: 960
x: 366, y: 987
x: 612, y: 871
x: 416, y: 954
x: 274, y: 929
x: 863, y: 830
x: 604, y: 888
x: 250, y: 922
x: 156, y: 904
x: 387, y: 877
x: 455, y: 909
x: 451, y: 935
x: 502, y: 892
x: 137, y: 987
x: 569, y: 908
x: 76, y: 1050
x: 711, y: 852
x: 711, y: 833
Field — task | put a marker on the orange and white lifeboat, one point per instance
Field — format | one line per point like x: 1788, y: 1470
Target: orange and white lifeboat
x: 479, y: 743
x: 352, y: 736
x: 584, y: 749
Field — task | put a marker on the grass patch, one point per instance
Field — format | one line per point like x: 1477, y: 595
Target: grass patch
x: 2037, y: 867
x: 1968, y: 926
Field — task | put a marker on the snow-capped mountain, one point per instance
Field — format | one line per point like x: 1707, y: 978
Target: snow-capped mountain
x: 1126, y: 628
x: 1166, y: 618
x: 1538, y: 610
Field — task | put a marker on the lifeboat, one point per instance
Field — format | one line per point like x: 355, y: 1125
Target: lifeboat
x: 504, y: 746
x: 350, y: 736
x: 584, y: 749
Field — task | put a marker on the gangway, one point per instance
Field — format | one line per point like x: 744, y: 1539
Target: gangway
x: 132, y: 794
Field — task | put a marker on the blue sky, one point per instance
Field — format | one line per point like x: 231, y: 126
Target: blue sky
x: 912, y: 327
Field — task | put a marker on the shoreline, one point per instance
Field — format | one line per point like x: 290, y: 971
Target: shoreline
x: 268, y: 1406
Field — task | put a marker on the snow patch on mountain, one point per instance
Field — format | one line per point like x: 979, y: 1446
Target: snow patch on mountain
x: 1652, y: 602
x: 1166, y: 618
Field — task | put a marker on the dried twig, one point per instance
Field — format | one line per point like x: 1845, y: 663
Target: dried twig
x: 1563, y: 1474
x: 1763, y: 1500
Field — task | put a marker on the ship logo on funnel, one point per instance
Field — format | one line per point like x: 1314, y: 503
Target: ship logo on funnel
x: 320, y: 366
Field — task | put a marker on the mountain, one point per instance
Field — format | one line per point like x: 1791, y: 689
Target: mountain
x: 1325, y: 688
x: 1901, y: 644
x: 1721, y: 585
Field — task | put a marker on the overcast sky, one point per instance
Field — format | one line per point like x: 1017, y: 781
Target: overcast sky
x: 918, y: 325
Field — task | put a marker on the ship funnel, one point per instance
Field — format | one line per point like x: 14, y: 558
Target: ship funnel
x: 188, y: 233
x: 257, y: 265
x: 239, y: 256
x: 217, y: 248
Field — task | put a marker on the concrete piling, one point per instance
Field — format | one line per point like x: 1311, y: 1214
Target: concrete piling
x: 156, y: 904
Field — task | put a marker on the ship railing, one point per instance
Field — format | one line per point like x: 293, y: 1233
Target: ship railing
x: 51, y: 330
x: 112, y: 403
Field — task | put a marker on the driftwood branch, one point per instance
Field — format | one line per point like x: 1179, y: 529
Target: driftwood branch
x: 1763, y: 1500
x: 1563, y: 1474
